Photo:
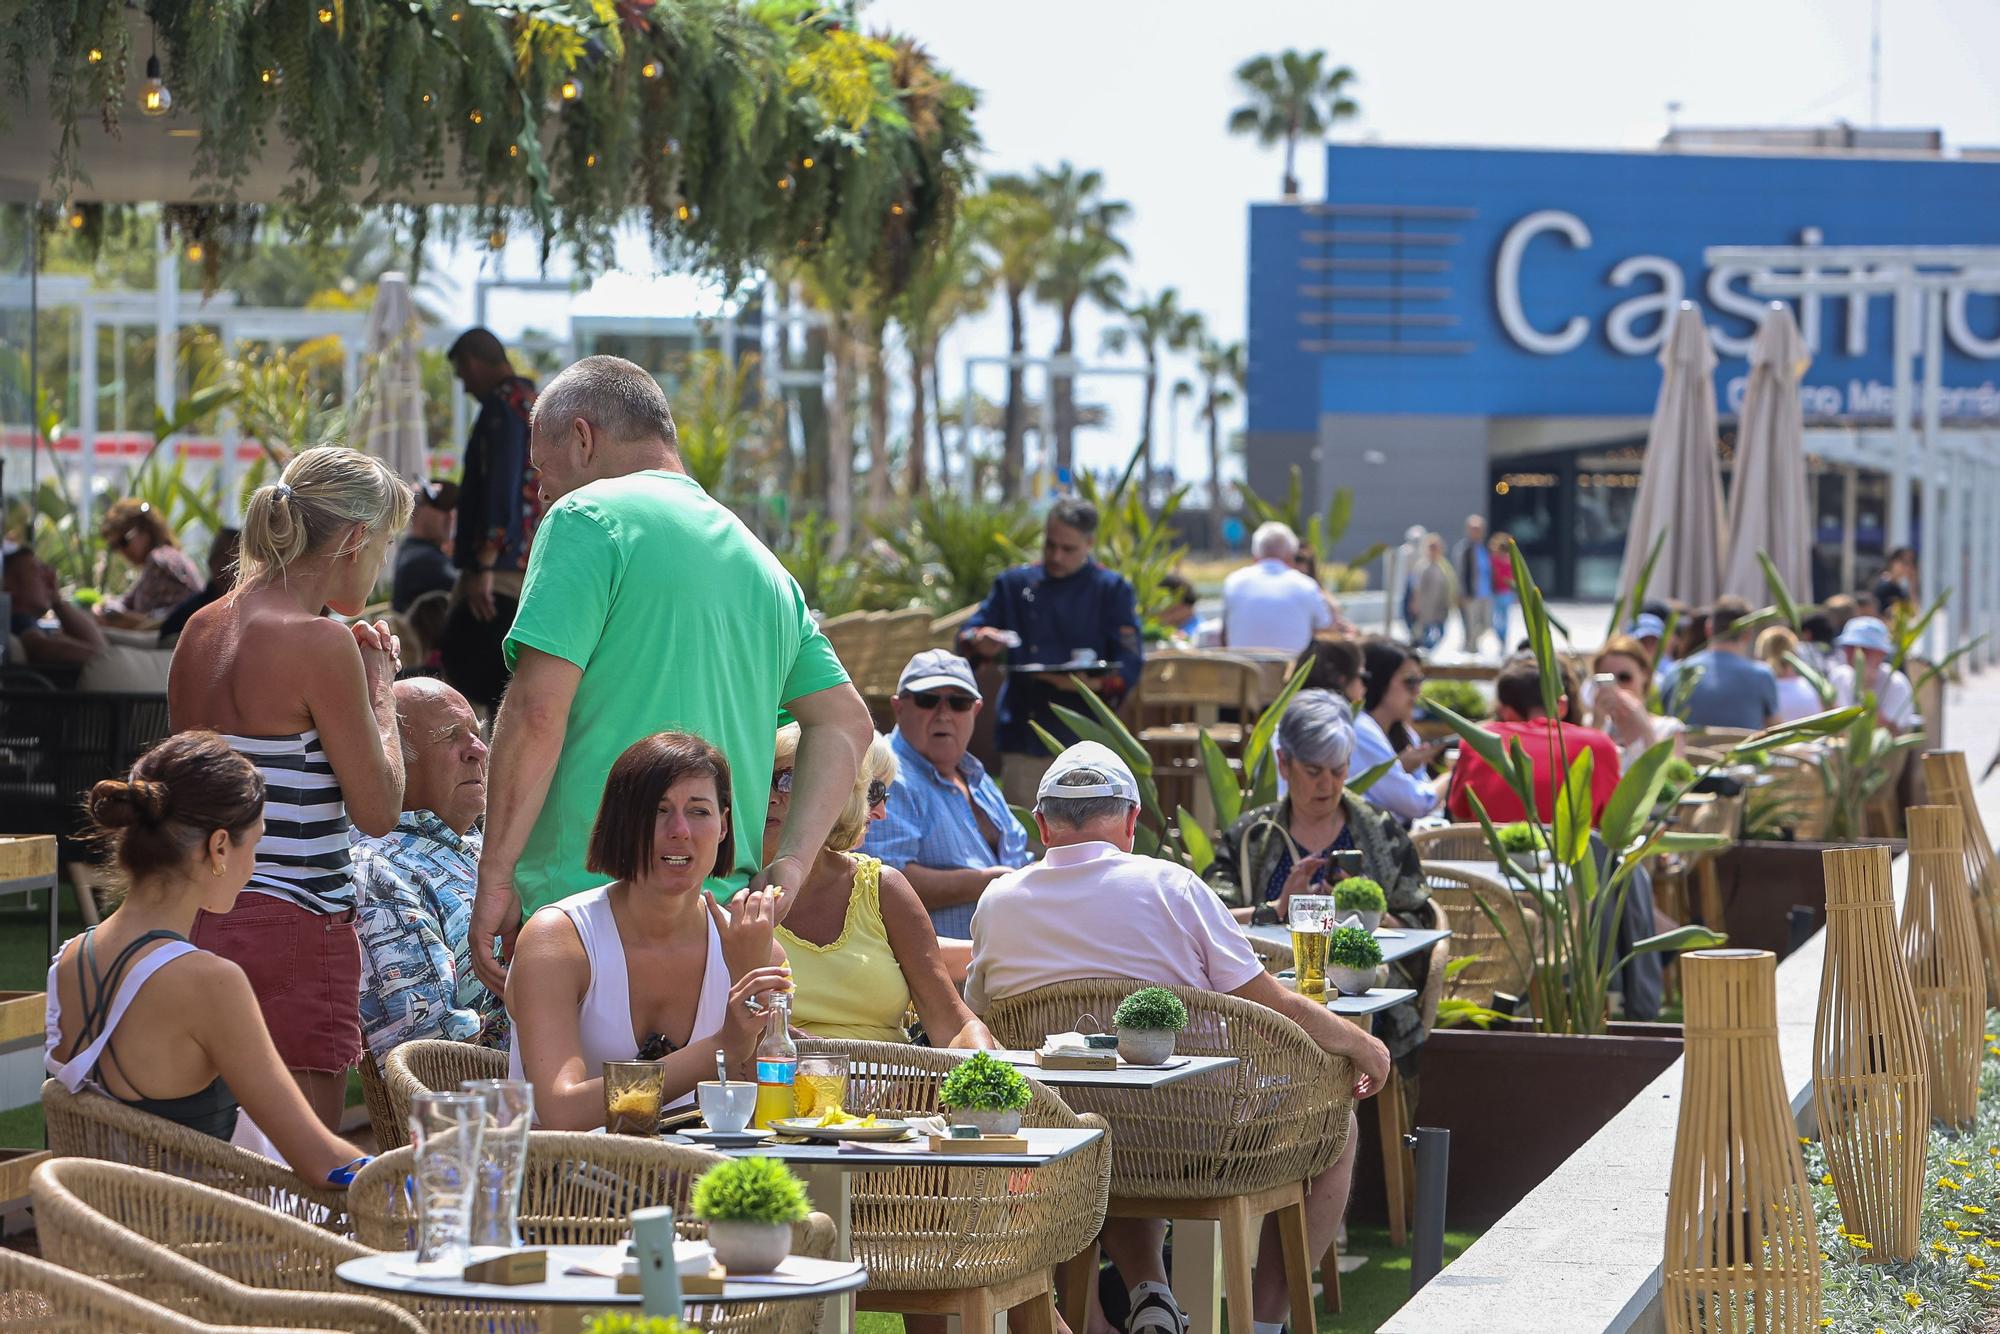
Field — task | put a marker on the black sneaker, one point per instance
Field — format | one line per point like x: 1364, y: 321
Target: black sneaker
x: 1154, y: 1311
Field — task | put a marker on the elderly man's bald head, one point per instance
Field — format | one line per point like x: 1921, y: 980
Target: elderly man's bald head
x: 444, y: 756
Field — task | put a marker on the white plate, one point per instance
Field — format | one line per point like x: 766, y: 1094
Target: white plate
x: 810, y: 1128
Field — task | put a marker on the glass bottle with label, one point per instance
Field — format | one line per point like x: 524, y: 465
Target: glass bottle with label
x: 777, y: 1063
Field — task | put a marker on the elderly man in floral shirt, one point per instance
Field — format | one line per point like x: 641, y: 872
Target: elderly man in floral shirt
x: 414, y: 885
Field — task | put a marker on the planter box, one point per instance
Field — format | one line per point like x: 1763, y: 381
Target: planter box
x: 1762, y: 881
x: 28, y: 855
x: 1517, y: 1103
x: 23, y: 1014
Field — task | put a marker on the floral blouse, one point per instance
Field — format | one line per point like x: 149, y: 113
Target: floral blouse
x: 167, y: 579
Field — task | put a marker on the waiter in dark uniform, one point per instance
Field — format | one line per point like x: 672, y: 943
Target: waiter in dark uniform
x: 1065, y: 609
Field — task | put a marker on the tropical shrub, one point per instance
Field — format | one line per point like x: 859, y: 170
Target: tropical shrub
x: 1461, y: 697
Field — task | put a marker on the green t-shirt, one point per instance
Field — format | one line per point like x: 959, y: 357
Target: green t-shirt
x: 681, y: 621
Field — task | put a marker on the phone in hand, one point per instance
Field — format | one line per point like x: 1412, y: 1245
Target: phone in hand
x: 1341, y: 864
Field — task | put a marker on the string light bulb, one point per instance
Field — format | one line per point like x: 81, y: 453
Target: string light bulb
x: 590, y: 160
x: 496, y: 239
x: 513, y: 150
x: 428, y: 99
x: 74, y: 218
x: 155, y: 99
x: 896, y: 209
x: 683, y: 212
x: 195, y: 252
x: 476, y: 116
x: 325, y: 14
x: 650, y: 70
x: 270, y: 76
x: 570, y: 91
x: 807, y: 164
x: 95, y: 55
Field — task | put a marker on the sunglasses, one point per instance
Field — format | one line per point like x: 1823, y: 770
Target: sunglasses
x: 781, y: 782
x: 1414, y: 682
x: 878, y: 792
x: 657, y: 1046
x: 930, y: 699
x: 1623, y: 678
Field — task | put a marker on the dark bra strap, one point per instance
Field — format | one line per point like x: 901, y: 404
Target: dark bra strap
x: 99, y: 991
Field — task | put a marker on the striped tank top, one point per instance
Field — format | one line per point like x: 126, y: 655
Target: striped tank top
x: 303, y: 857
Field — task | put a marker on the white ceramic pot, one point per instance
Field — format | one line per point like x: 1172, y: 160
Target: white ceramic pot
x: 989, y: 1123
x: 1145, y: 1046
x: 1351, y: 981
x: 1530, y: 862
x: 1368, y: 920
x: 750, y: 1248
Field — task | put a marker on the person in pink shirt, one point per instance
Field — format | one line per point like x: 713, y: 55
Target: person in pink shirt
x: 1092, y: 908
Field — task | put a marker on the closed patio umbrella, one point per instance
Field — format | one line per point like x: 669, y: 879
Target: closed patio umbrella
x: 392, y: 428
x: 1768, y: 506
x: 1680, y: 487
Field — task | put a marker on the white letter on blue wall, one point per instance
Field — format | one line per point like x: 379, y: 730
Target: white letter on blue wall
x: 1507, y: 282
x: 1661, y: 305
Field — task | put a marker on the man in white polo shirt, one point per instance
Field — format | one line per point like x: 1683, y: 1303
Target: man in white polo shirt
x: 1271, y: 604
x: 1091, y: 908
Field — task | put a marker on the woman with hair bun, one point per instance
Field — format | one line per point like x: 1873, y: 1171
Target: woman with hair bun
x: 136, y: 1011
x: 307, y: 700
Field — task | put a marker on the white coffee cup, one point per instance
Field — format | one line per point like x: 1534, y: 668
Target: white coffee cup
x: 727, y: 1107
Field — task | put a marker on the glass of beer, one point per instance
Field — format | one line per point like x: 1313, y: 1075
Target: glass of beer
x: 633, y: 1094
x: 821, y: 1083
x: 1312, y: 922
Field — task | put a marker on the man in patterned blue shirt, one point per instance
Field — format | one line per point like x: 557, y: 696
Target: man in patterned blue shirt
x: 948, y: 828
x: 414, y: 885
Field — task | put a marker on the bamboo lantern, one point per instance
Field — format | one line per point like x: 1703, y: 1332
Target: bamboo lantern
x: 1950, y: 784
x: 1870, y: 1059
x: 1742, y: 1248
x: 1941, y: 945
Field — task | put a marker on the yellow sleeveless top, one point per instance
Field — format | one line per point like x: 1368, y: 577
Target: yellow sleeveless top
x: 853, y: 988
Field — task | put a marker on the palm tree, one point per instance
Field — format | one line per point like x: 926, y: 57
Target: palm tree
x: 947, y: 287
x: 1014, y: 227
x: 1151, y: 324
x: 1079, y: 264
x: 1292, y: 96
x: 1221, y: 369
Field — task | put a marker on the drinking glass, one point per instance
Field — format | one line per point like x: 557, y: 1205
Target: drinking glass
x: 1312, y: 922
x: 503, y: 1152
x: 821, y: 1083
x: 445, y: 1132
x: 634, y: 1092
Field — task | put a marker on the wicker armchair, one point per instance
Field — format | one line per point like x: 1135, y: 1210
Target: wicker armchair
x: 1499, y: 964
x: 1232, y: 1148
x: 201, y: 1252
x: 427, y: 1065
x: 577, y: 1189
x: 90, y: 1125
x: 965, y: 1241
x: 1452, y: 843
x: 1275, y: 957
x: 37, y: 1297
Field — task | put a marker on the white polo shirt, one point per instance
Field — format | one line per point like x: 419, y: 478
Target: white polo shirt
x: 1089, y: 910
x: 1271, y: 605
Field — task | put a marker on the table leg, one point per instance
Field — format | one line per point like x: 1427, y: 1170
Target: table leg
x: 1389, y: 1120
x: 1198, y: 1273
x: 832, y: 1194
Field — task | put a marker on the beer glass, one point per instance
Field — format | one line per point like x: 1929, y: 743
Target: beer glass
x: 1312, y: 922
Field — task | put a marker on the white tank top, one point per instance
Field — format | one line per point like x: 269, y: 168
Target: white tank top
x: 604, y: 1024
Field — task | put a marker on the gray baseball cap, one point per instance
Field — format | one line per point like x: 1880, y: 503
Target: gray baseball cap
x: 936, y: 668
x: 1094, y: 756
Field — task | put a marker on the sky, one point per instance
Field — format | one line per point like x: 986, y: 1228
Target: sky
x: 1143, y: 91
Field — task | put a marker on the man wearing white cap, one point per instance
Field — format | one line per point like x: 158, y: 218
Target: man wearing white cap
x: 1091, y: 908
x: 948, y: 829
x: 1868, y: 647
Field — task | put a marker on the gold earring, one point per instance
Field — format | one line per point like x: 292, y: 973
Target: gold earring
x: 216, y: 870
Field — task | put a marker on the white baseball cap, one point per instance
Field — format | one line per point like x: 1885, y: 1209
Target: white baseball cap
x: 1865, y: 632
x: 1647, y: 626
x: 936, y: 668
x: 1118, y: 780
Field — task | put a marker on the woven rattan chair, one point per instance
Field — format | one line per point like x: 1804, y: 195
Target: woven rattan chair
x: 577, y: 1189
x: 1275, y: 957
x: 1497, y: 965
x: 1231, y: 1148
x: 1179, y: 697
x: 37, y: 1297
x: 90, y: 1125
x: 206, y: 1254
x: 1452, y: 843
x: 965, y: 1241
x: 427, y: 1065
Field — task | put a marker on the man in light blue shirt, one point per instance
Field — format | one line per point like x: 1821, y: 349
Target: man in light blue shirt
x: 948, y: 828
x: 1732, y: 689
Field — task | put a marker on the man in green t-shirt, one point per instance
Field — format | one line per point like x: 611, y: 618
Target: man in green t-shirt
x: 648, y: 607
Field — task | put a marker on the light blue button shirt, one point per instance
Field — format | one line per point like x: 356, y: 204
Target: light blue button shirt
x: 929, y: 824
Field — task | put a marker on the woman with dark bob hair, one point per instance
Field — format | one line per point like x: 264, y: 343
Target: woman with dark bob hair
x: 647, y: 967
x: 139, y: 1014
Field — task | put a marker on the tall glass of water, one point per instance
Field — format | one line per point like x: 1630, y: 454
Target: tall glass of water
x: 503, y: 1150
x: 1312, y: 922
x: 445, y: 1131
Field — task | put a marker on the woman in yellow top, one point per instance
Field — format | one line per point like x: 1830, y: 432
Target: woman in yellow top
x: 860, y: 942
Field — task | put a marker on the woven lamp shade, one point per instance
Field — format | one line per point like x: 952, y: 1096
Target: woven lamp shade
x: 1941, y: 945
x: 1741, y: 1253
x: 1950, y: 784
x: 1870, y: 1060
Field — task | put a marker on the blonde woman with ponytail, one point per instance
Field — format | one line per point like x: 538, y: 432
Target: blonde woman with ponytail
x: 307, y: 700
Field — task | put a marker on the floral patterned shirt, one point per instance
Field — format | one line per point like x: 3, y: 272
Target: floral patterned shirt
x: 168, y: 578
x: 413, y: 901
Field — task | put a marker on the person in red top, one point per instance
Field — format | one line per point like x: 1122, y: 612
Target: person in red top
x: 1518, y: 698
x: 1503, y: 587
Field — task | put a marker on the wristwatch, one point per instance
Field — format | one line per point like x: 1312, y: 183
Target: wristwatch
x: 1264, y: 914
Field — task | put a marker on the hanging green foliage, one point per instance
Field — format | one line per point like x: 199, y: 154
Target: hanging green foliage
x: 741, y: 134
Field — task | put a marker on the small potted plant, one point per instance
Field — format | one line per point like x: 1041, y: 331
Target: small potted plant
x: 623, y: 1322
x: 1524, y: 845
x: 750, y: 1205
x: 1146, y: 1022
x: 1360, y: 897
x: 1352, y: 956
x: 987, y: 1092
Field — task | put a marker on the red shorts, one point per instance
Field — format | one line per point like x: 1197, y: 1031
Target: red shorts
x: 306, y: 971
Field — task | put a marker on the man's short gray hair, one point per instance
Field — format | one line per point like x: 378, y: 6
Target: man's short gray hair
x: 1317, y: 729
x: 1076, y: 812
x: 1274, y: 541
x: 1075, y: 512
x: 617, y: 397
